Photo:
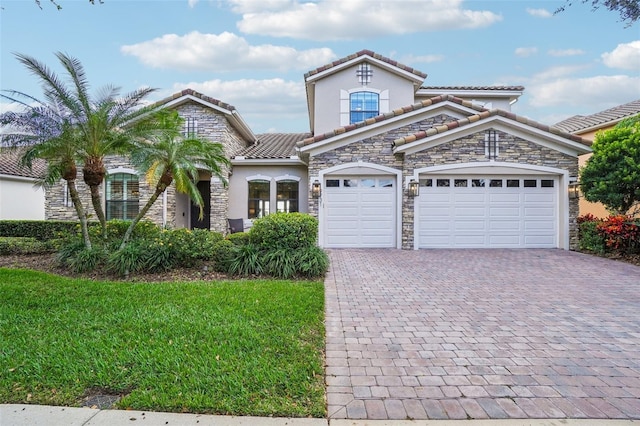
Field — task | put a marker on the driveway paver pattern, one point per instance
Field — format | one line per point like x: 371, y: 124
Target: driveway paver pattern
x: 482, y: 334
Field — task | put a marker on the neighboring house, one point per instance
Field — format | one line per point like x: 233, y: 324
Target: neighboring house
x: 587, y: 127
x: 20, y: 196
x: 388, y: 162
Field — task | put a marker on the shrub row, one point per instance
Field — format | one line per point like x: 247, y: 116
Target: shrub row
x: 42, y: 230
x: 281, y: 245
x: 614, y: 234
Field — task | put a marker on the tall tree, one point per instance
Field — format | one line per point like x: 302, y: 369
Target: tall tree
x: 42, y: 131
x: 629, y: 9
x: 612, y: 175
x: 167, y: 158
x: 100, y: 121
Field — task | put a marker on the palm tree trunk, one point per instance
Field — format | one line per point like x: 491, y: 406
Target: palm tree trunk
x: 96, y: 201
x: 127, y: 235
x: 77, y: 203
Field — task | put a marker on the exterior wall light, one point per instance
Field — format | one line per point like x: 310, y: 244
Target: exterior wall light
x: 413, y: 188
x: 316, y: 190
x: 574, y: 190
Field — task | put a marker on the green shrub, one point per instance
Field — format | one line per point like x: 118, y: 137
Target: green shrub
x: 42, y: 230
x: 158, y: 255
x: 245, y: 260
x: 312, y: 262
x: 86, y: 260
x: 24, y: 245
x: 280, y: 263
x: 127, y: 260
x: 590, y: 238
x: 285, y: 230
x: 191, y: 246
x: 239, y: 238
x: 222, y: 253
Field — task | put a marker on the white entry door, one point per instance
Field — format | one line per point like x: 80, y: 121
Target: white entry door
x: 359, y: 211
x: 493, y: 211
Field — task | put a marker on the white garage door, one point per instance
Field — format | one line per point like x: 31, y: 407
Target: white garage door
x: 459, y: 211
x: 359, y: 211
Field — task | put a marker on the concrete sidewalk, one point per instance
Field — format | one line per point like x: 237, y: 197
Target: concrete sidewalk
x: 37, y: 415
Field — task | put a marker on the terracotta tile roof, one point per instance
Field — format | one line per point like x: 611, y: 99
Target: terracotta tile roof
x: 516, y: 88
x: 388, y: 115
x: 194, y: 94
x: 611, y: 115
x: 10, y: 165
x: 365, y: 53
x: 274, y: 145
x: 483, y: 116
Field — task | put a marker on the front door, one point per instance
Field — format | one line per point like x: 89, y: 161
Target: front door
x: 204, y: 187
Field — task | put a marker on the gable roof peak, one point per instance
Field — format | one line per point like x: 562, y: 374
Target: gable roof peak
x: 192, y: 93
x: 361, y: 54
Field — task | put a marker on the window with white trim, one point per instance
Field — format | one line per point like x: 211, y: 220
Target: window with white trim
x: 287, y: 196
x: 122, y: 196
x: 259, y: 194
x: 363, y: 105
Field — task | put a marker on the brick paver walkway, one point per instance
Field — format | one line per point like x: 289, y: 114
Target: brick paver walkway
x: 457, y: 334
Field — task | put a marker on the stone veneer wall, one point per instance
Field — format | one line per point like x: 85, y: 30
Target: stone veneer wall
x: 212, y: 126
x: 469, y: 149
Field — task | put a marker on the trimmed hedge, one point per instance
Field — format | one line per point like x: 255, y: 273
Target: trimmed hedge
x: 290, y: 231
x: 42, y: 230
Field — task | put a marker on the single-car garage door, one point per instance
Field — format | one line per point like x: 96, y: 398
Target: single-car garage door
x: 359, y: 211
x: 494, y: 211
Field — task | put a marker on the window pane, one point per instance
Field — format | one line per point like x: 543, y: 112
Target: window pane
x: 332, y: 183
x: 287, y: 196
x: 477, y: 183
x: 442, y: 182
x: 368, y: 183
x: 495, y: 183
x: 513, y: 183
x: 426, y: 182
x: 385, y: 183
x: 460, y: 183
x: 546, y: 183
x: 530, y: 183
x: 259, y: 193
x: 363, y: 105
x: 122, y: 193
x: 350, y: 183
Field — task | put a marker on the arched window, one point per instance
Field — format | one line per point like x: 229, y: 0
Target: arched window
x: 363, y: 105
x: 122, y: 196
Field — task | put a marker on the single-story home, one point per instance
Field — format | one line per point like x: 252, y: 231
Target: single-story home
x: 387, y: 162
x: 21, y: 198
x: 586, y: 126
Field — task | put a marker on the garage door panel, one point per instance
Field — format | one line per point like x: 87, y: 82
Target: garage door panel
x: 488, y: 216
x: 363, y: 215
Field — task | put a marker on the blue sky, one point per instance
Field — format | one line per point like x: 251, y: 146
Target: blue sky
x: 253, y: 54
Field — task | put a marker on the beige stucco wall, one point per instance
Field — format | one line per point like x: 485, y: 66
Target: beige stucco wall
x: 584, y: 206
x: 20, y: 199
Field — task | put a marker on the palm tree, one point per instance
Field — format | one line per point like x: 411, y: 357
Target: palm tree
x: 43, y: 132
x: 100, y: 122
x: 168, y: 158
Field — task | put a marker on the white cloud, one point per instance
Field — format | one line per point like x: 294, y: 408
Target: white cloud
x: 525, y: 52
x: 223, y: 52
x: 334, y: 19
x: 192, y: 3
x: 539, y: 13
x: 625, y: 56
x: 577, y: 92
x: 565, y: 52
x: 272, y: 100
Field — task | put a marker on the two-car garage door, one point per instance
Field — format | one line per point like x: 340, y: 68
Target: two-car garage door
x: 454, y: 211
x: 494, y: 211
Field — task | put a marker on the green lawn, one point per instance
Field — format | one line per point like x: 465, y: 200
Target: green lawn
x: 235, y: 347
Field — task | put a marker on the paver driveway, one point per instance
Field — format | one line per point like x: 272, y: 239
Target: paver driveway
x: 457, y: 334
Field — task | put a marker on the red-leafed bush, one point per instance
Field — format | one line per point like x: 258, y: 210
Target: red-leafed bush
x: 621, y: 234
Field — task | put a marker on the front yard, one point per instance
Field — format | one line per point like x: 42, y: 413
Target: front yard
x: 245, y: 347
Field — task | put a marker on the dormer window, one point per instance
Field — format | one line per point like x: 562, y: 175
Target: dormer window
x: 364, y: 73
x: 363, y: 105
